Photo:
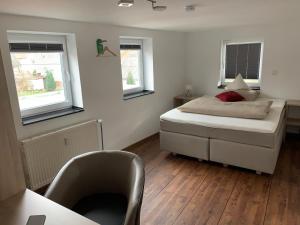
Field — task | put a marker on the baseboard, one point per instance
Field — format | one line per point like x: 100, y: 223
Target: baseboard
x: 141, y: 142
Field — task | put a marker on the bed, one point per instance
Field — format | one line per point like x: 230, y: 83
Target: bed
x: 248, y: 143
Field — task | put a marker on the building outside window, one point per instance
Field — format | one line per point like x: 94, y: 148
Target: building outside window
x: 132, y: 63
x: 41, y: 71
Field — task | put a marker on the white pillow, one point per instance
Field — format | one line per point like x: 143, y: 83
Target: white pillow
x: 237, y: 84
x: 249, y: 95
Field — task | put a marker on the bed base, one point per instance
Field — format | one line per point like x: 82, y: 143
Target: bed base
x: 188, y: 145
x: 257, y: 158
x: 260, y: 159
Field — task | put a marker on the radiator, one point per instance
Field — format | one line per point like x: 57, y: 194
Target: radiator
x: 44, y: 155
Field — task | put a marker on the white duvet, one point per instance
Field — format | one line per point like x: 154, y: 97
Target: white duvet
x: 267, y: 125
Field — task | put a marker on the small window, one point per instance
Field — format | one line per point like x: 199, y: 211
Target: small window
x: 41, y: 71
x: 244, y: 59
x: 132, y: 63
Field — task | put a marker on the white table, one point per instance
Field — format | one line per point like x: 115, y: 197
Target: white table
x: 17, y: 209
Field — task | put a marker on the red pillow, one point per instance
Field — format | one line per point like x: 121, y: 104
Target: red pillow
x: 230, y: 96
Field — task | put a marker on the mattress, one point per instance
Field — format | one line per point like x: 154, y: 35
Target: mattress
x: 209, y: 105
x: 246, y: 131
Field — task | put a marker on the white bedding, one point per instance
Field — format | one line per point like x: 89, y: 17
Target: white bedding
x: 267, y: 125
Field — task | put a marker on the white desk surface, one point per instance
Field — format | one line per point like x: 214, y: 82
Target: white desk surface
x: 17, y: 209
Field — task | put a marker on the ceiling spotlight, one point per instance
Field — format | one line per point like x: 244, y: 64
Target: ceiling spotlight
x: 129, y: 3
x: 157, y: 7
x: 126, y: 3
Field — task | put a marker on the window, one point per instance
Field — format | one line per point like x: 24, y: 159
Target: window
x: 242, y: 58
x: 41, y: 71
x: 131, y: 51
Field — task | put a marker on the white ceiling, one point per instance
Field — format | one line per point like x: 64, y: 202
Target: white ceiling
x: 209, y: 14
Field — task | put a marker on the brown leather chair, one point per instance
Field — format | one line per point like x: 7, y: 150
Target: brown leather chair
x: 106, y: 187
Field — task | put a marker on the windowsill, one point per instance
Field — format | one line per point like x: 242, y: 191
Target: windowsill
x: 137, y: 94
x: 50, y: 115
x: 257, y: 88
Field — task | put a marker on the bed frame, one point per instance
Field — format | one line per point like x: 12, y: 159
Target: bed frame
x: 258, y: 158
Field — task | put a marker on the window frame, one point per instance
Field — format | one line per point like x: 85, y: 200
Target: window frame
x: 223, y: 80
x: 16, y: 37
x: 134, y: 41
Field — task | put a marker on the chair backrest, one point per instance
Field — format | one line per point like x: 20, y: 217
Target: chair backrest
x: 101, y: 172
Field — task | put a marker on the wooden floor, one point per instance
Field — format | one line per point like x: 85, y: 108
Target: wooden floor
x: 180, y: 190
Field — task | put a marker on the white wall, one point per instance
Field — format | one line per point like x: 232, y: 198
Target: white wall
x: 124, y: 122
x: 281, y: 53
x: 178, y: 59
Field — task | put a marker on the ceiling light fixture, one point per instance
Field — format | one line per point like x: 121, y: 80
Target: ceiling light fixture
x: 126, y: 3
x: 157, y: 7
x: 129, y: 3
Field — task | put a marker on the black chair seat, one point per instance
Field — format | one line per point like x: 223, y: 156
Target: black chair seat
x: 105, y: 209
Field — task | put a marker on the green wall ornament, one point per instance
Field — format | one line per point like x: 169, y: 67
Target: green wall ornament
x: 101, y: 49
